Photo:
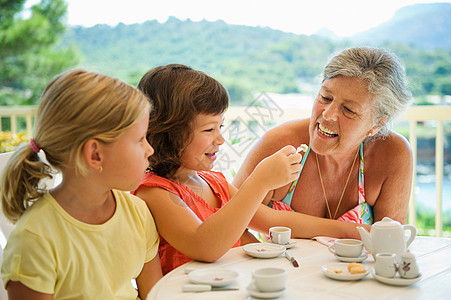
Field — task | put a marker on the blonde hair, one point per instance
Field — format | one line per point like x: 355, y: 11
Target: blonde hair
x: 75, y: 106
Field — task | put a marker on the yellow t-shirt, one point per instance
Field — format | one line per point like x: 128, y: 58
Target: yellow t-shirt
x: 51, y: 252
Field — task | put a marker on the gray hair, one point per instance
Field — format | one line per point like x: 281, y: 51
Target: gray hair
x: 386, y: 78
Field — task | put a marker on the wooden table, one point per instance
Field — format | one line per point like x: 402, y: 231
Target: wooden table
x: 308, y: 281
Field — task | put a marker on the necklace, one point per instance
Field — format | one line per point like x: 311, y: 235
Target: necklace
x: 344, y: 189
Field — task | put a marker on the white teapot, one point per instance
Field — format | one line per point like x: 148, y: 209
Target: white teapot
x: 387, y: 236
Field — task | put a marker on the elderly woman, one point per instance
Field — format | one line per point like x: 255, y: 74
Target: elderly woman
x: 355, y: 168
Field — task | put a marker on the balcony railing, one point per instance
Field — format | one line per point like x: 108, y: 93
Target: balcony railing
x: 246, y: 124
x: 13, y: 113
x: 439, y: 114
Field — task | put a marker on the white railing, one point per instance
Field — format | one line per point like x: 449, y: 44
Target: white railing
x: 252, y: 121
x: 420, y: 114
x: 15, y: 112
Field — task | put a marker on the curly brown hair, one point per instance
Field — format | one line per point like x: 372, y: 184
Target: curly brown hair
x: 177, y: 94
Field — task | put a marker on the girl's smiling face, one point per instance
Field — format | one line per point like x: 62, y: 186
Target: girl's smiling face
x: 341, y: 115
x: 201, y: 152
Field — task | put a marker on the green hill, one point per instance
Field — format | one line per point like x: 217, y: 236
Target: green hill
x: 259, y: 59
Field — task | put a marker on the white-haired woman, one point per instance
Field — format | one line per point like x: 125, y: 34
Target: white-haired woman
x: 355, y: 168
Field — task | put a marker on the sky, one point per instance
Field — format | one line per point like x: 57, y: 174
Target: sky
x: 344, y: 17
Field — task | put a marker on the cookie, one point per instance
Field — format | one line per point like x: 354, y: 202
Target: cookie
x: 302, y: 148
x: 356, y: 268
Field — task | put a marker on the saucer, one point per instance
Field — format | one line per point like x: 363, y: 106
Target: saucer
x: 264, y: 250
x: 263, y: 295
x: 288, y: 245
x: 215, y: 277
x: 329, y: 269
x: 396, y: 280
x: 360, y: 258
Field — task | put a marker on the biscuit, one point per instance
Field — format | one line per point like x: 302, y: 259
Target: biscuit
x: 302, y: 148
x: 352, y: 265
x: 334, y: 271
x: 356, y: 268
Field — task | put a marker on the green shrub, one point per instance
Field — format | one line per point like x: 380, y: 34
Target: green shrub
x: 9, y: 141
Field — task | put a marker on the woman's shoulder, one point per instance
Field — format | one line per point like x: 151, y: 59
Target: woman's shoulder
x: 393, y: 149
x: 393, y: 141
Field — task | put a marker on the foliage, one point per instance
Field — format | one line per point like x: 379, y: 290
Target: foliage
x: 247, y: 60
x: 426, y: 221
x: 29, y: 55
x: 9, y: 141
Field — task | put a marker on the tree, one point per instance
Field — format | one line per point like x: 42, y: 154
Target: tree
x: 29, y: 55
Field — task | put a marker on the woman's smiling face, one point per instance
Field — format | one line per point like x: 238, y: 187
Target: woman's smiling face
x: 342, y: 115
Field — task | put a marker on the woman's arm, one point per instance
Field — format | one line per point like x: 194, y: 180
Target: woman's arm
x: 248, y: 238
x: 209, y: 240
x: 19, y: 291
x: 302, y: 225
x: 149, y: 276
x: 393, y: 166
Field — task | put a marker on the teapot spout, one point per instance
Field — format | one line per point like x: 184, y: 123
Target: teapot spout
x: 366, y: 238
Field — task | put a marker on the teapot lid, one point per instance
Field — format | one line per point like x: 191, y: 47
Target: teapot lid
x: 386, y: 222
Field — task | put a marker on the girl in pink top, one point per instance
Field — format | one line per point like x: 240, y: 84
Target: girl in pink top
x: 190, y: 203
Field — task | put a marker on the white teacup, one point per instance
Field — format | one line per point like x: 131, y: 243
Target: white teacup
x: 280, y: 235
x: 385, y: 264
x: 347, y: 247
x: 269, y: 279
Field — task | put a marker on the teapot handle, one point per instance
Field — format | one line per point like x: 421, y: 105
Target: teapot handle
x: 413, y: 233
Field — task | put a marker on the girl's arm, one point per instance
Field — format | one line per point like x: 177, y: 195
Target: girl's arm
x: 209, y: 240
x: 18, y: 291
x: 149, y: 276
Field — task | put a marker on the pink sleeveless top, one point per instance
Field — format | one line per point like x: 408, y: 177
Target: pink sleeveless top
x: 170, y: 257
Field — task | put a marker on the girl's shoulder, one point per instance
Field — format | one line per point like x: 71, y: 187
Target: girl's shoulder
x: 151, y: 180
x: 213, y: 175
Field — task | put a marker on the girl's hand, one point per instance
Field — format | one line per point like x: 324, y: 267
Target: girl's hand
x: 278, y: 169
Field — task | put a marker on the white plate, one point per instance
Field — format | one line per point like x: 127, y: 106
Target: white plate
x: 213, y: 277
x: 344, y: 275
x: 352, y: 259
x: 264, y: 250
x: 288, y: 245
x: 396, y: 280
x: 264, y: 295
